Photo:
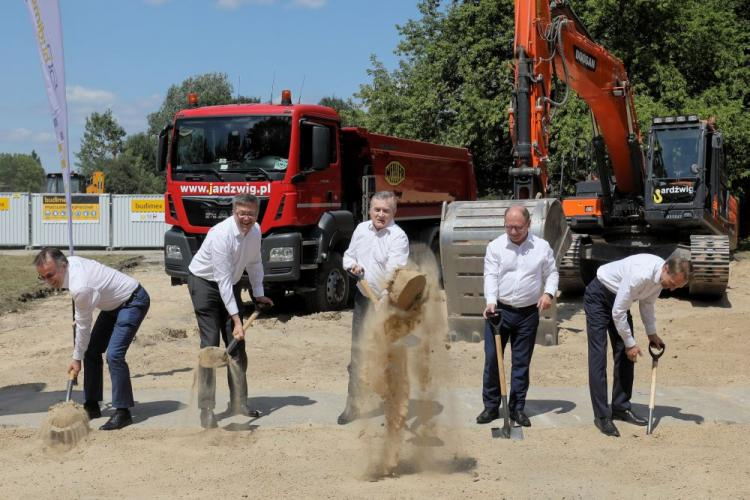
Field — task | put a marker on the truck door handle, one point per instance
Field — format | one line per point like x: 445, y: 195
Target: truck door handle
x: 329, y: 196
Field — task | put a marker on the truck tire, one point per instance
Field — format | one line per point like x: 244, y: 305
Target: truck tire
x: 332, y: 286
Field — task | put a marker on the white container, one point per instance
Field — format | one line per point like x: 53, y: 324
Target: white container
x: 14, y: 220
x: 138, y: 221
x: 91, y: 220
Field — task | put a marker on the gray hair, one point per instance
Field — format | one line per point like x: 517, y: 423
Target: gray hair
x: 46, y: 254
x: 524, y: 212
x: 679, y: 262
x: 387, y: 196
x: 245, y: 199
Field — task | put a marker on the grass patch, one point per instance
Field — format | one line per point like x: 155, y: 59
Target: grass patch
x: 21, y: 284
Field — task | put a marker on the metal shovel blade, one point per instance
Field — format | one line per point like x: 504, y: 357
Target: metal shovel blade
x: 507, y: 431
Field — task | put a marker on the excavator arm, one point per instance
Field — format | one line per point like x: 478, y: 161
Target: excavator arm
x: 551, y: 40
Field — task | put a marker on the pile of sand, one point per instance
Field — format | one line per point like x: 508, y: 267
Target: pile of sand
x: 66, y: 424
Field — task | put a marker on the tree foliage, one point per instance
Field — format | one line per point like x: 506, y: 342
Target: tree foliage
x: 212, y: 89
x: 20, y: 173
x: 454, y: 80
x: 102, y: 140
x: 350, y: 113
x: 134, y: 171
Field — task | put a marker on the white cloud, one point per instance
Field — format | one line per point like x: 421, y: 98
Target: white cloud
x: 77, y: 94
x: 21, y: 135
x: 309, y: 4
x: 236, y: 4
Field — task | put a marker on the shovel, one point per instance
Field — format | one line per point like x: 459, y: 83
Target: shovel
x: 656, y: 352
x: 507, y: 432
x: 216, y: 357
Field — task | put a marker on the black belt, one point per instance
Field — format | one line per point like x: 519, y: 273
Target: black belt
x: 525, y: 309
x: 132, y: 295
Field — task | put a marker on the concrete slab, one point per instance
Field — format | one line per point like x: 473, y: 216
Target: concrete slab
x: 26, y: 406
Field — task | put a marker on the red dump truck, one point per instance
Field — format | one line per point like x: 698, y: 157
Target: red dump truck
x: 313, y: 178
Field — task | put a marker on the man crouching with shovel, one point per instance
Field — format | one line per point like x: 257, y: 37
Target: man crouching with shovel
x: 378, y: 246
x: 123, y: 303
x: 230, y: 247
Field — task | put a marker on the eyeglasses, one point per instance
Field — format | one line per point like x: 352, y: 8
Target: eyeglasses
x: 510, y: 227
x: 252, y: 215
x: 47, y: 276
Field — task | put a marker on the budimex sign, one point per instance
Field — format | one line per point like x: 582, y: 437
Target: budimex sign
x: 395, y: 173
x: 85, y: 209
x: 147, y: 210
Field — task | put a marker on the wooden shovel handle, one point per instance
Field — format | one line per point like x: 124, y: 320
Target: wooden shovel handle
x: 247, y: 325
x: 365, y: 286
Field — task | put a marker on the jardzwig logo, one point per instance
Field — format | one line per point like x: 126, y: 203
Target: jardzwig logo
x: 660, y: 192
x: 395, y: 173
x: 260, y: 189
x: 584, y: 59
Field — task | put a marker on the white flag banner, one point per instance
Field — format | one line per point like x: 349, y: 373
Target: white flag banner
x: 45, y: 18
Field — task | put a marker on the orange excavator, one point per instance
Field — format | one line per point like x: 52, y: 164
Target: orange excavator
x: 640, y: 199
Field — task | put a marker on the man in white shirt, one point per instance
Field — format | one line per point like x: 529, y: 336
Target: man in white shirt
x: 607, y: 302
x: 520, y: 279
x: 378, y: 246
x: 122, y: 302
x: 231, y: 247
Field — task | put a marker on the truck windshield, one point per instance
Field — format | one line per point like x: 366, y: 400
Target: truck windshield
x: 675, y: 153
x: 255, y: 145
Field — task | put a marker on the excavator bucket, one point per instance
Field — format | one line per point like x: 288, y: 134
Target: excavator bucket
x: 465, y: 230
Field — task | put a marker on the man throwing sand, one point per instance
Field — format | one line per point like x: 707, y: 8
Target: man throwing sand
x: 123, y: 303
x: 231, y: 247
x: 377, y: 248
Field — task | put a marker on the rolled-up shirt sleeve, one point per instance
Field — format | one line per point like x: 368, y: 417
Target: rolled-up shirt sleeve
x: 255, y: 272
x: 350, y: 256
x: 550, y: 274
x: 491, y: 275
x: 221, y: 260
x: 648, y: 314
x: 620, y: 308
x: 85, y: 302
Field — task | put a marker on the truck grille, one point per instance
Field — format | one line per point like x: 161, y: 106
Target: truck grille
x: 209, y: 211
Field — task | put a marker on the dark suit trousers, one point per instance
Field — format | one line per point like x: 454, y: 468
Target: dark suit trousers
x: 597, y: 303
x: 361, y: 306
x: 520, y: 326
x: 215, y: 325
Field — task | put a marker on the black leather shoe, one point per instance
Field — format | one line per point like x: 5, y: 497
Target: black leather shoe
x: 121, y: 418
x: 244, y: 411
x: 208, y: 419
x: 92, y: 409
x: 520, y: 418
x: 487, y: 415
x: 606, y: 426
x: 629, y: 417
x: 348, y: 415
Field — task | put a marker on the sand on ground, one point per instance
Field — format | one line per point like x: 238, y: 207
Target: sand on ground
x: 294, y: 352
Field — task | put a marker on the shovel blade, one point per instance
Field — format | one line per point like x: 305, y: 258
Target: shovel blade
x: 508, y: 432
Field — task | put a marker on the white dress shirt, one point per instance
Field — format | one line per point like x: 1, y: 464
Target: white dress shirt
x: 225, y: 254
x: 379, y: 253
x: 94, y: 286
x: 517, y: 275
x: 633, y: 278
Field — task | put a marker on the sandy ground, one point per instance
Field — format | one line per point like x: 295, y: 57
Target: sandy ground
x: 293, y: 353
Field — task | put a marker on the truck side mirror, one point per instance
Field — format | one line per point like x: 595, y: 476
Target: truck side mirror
x: 161, y: 152
x: 321, y: 153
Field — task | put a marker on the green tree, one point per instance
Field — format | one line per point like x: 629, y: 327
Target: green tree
x: 128, y: 174
x: 212, y: 89
x: 20, y: 173
x: 102, y: 140
x: 350, y: 113
x: 36, y: 157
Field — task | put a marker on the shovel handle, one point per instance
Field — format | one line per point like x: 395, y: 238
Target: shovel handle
x: 365, y: 287
x: 655, y: 351
x: 247, y: 325
x: 495, y: 320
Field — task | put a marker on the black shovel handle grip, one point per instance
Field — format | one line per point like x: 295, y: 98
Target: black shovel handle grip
x: 495, y: 319
x: 655, y: 351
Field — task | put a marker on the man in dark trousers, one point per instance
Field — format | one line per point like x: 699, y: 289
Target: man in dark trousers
x: 607, y: 300
x: 377, y: 248
x: 230, y: 248
x: 520, y: 279
x: 122, y: 304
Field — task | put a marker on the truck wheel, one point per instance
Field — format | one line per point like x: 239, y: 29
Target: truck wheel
x: 332, y: 286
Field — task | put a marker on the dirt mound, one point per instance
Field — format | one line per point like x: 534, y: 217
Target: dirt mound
x: 66, y: 424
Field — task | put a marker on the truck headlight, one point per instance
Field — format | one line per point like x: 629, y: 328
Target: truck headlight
x: 281, y: 254
x: 173, y: 252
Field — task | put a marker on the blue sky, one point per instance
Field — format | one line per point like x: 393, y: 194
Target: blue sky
x: 125, y: 54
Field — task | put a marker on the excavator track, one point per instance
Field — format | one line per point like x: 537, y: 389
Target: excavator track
x: 710, y: 258
x: 570, y: 267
